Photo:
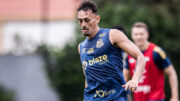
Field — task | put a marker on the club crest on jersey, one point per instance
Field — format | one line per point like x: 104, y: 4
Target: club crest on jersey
x: 99, y: 43
x: 102, y: 34
x: 91, y: 50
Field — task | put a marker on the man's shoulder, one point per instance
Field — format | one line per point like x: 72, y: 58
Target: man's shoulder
x: 105, y: 30
x: 115, y: 32
x: 82, y: 43
x: 160, y: 57
x: 159, y: 51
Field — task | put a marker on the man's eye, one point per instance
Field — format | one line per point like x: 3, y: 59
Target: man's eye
x: 80, y: 21
x: 87, y: 20
x: 135, y: 34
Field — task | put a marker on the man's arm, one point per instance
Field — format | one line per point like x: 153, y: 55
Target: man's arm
x: 163, y: 62
x: 83, y: 70
x: 117, y: 38
x: 173, y: 80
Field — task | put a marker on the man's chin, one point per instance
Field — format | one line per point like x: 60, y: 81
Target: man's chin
x: 86, y: 34
x: 139, y: 44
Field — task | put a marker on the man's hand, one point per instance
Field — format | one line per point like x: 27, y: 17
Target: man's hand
x: 174, y: 99
x: 131, y: 85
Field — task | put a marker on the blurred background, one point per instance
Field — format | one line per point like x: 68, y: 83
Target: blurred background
x: 39, y: 59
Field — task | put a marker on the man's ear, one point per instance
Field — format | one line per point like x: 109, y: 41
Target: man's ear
x: 98, y: 18
x: 148, y: 35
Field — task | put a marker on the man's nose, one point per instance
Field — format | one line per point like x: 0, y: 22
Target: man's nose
x: 138, y: 36
x: 83, y: 24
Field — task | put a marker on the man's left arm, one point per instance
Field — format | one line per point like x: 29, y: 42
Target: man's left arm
x: 173, y: 80
x: 118, y: 39
x: 163, y: 62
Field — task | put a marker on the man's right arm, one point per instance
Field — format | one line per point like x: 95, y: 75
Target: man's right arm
x: 83, y: 70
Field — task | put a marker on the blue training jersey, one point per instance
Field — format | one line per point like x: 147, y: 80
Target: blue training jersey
x: 103, y: 68
x: 161, y: 63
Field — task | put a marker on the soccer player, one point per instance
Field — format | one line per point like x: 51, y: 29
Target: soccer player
x: 151, y: 83
x: 101, y: 57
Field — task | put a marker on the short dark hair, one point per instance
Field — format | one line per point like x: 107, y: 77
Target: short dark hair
x: 118, y: 27
x: 140, y: 24
x: 88, y: 5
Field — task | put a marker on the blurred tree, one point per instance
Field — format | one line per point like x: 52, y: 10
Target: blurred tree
x: 162, y: 16
x: 64, y: 70
x: 6, y: 95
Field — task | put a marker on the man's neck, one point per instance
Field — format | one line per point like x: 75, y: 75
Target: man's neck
x: 94, y: 33
x: 144, y: 46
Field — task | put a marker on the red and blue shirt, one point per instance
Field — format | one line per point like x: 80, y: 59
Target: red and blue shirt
x: 151, y: 83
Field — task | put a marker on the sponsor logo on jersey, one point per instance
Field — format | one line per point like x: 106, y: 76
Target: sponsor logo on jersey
x: 84, y: 65
x: 131, y: 60
x: 98, y: 60
x: 91, y: 50
x: 99, y: 43
x: 143, y: 88
x: 147, y: 58
x: 102, y: 34
x: 101, y: 93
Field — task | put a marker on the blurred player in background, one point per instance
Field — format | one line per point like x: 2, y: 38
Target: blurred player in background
x: 101, y: 58
x: 151, y: 83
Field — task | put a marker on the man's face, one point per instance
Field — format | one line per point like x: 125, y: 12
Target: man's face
x: 88, y: 21
x: 139, y: 36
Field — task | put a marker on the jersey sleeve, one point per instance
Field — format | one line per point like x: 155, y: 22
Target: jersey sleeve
x: 160, y: 58
x: 125, y: 61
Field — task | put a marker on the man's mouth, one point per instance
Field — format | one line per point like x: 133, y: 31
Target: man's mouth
x: 84, y: 30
